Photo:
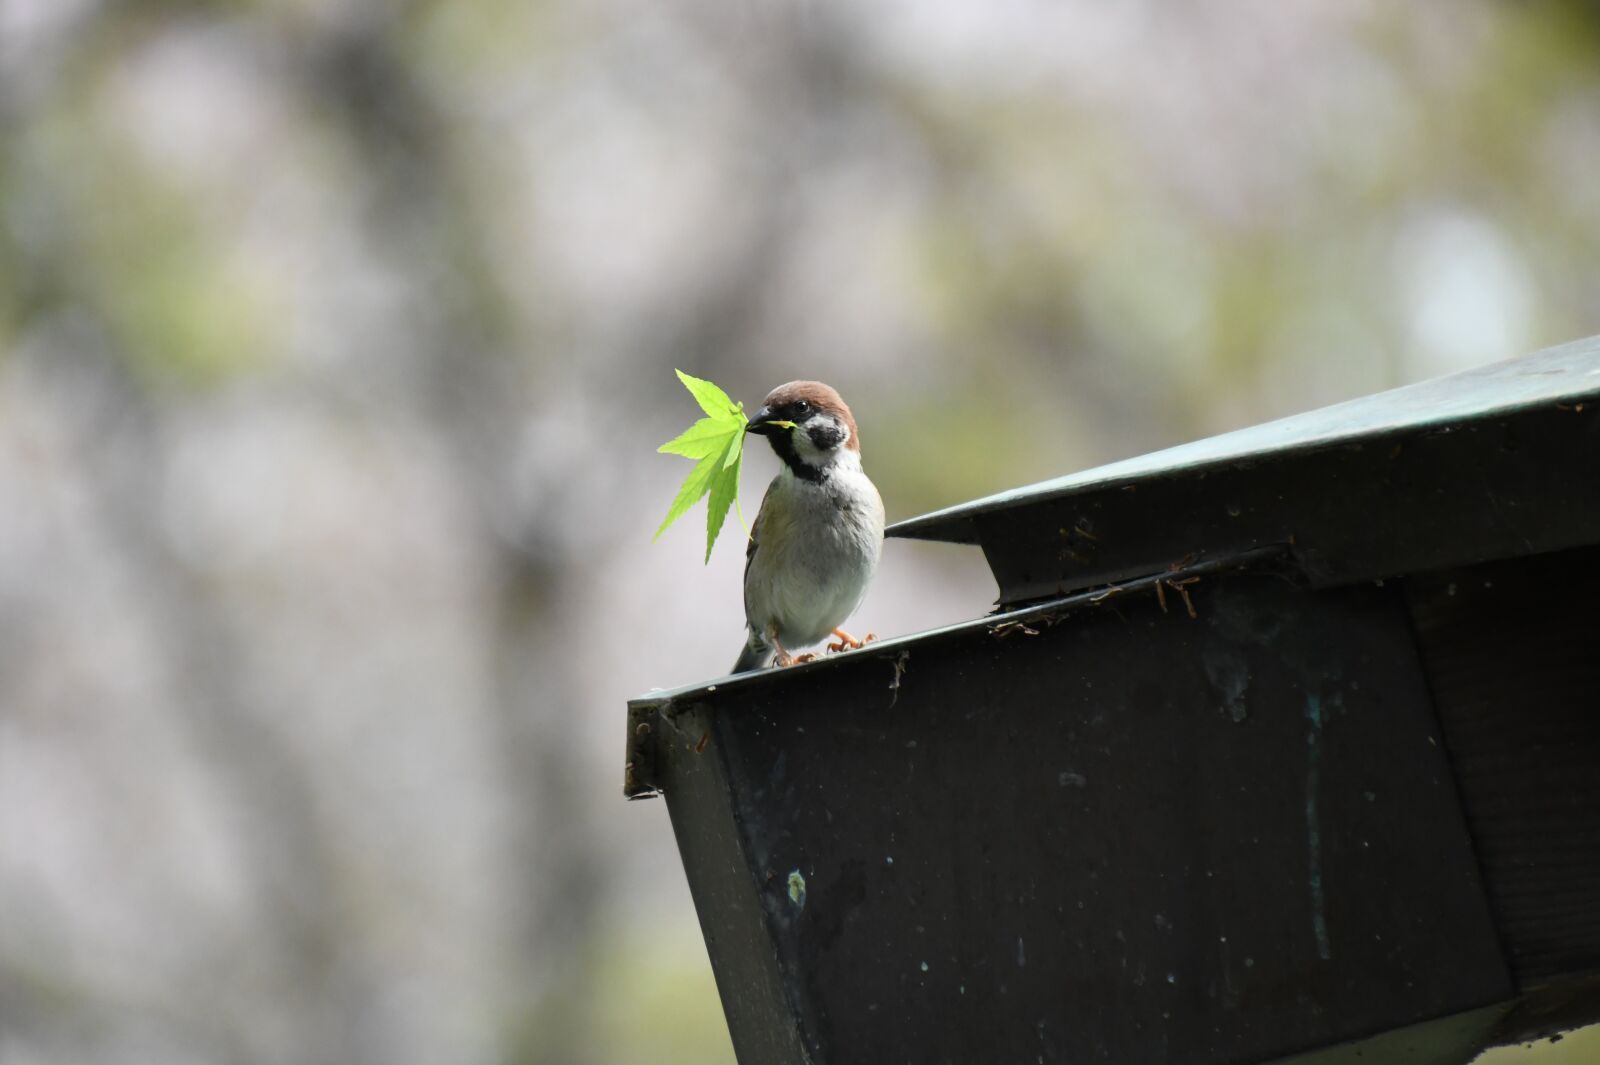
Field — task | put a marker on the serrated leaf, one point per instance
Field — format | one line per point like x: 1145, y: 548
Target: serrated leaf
x: 736, y: 451
x: 708, y: 436
x: 716, y: 443
x: 724, y: 487
x: 697, y: 484
x: 713, y: 400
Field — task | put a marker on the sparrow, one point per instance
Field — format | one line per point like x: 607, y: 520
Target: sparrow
x: 817, y: 537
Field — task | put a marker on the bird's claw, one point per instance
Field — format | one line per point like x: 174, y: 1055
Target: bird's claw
x: 800, y: 660
x: 848, y: 642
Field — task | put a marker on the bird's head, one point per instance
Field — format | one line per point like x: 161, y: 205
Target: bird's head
x: 807, y: 423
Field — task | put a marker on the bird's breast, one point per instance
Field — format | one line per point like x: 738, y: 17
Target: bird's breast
x: 818, y: 549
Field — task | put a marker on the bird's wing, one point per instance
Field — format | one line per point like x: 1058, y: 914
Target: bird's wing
x: 754, y: 542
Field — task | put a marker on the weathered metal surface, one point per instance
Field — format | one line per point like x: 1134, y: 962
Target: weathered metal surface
x: 1568, y: 374
x: 646, y: 768
x: 761, y: 1016
x: 1445, y: 473
x: 1513, y: 657
x: 1132, y: 836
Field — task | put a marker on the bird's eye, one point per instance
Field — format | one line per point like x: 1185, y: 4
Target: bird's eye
x: 801, y: 406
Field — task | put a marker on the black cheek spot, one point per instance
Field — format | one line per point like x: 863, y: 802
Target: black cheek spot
x: 826, y: 435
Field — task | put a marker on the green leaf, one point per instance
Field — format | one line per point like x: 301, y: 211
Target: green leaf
x: 696, y: 485
x: 706, y: 436
x: 724, y: 486
x: 713, y: 400
x: 716, y: 444
x: 736, y: 452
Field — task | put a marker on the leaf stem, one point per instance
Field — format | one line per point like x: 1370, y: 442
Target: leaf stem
x: 739, y: 513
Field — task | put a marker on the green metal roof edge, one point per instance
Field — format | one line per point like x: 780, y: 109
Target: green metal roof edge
x: 1566, y: 372
x: 892, y: 647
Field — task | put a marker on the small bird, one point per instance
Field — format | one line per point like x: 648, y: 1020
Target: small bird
x: 816, y: 540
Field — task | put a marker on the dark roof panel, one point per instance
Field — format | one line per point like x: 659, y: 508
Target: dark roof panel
x: 1567, y: 375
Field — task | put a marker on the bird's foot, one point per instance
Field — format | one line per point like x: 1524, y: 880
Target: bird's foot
x: 848, y: 642
x: 801, y: 660
x: 781, y: 656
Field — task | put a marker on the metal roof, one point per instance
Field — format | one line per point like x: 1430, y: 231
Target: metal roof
x: 1498, y: 462
x: 916, y: 845
x: 1567, y: 374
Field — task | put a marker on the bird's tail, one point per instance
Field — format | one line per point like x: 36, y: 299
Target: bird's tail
x: 756, y: 655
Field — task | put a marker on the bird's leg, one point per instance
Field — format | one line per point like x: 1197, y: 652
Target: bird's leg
x: 849, y: 642
x: 783, y: 657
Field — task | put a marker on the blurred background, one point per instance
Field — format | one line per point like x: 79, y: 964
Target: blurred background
x: 336, y: 338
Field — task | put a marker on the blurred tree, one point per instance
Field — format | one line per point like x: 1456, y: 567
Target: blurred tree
x: 332, y: 342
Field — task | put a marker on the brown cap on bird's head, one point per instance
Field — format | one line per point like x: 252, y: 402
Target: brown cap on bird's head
x: 795, y: 400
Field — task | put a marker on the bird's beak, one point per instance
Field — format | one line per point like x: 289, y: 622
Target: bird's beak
x: 765, y: 424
